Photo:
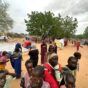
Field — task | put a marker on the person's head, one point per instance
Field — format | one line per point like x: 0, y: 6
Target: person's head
x: 72, y: 62
x: 2, y: 78
x: 51, y: 49
x: 53, y: 60
x: 37, y: 77
x: 43, y: 41
x: 29, y: 66
x: 17, y: 50
x: 4, y: 53
x: 77, y: 55
x: 69, y: 81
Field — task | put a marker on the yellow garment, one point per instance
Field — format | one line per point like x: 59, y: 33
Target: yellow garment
x: 59, y: 44
x: 2, y: 66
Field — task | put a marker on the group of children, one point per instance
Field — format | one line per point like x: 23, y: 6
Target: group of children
x: 50, y: 74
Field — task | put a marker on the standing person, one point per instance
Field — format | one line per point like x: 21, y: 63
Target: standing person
x: 3, y: 60
x: 56, y: 66
x: 43, y: 52
x: 33, y: 53
x: 49, y: 75
x: 71, y: 67
x: 25, y: 79
x: 78, y: 45
x: 17, y: 57
x: 51, y: 50
x: 36, y: 80
x: 55, y: 47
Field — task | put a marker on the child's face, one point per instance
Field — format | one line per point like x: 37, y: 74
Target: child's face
x: 29, y: 67
x: 36, y: 82
x: 73, y: 63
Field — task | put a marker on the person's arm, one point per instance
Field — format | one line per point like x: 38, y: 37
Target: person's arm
x: 11, y: 74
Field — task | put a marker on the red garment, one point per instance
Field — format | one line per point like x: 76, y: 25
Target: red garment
x: 43, y: 53
x: 27, y: 43
x: 77, y: 45
x: 50, y: 79
x: 49, y: 68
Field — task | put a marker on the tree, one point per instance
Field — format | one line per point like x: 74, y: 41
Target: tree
x: 6, y: 22
x: 69, y: 26
x: 86, y: 32
x: 46, y: 23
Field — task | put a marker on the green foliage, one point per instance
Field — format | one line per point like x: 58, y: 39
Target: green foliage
x: 46, y: 23
x: 86, y: 32
x: 6, y: 23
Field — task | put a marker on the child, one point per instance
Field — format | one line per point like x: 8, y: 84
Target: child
x: 71, y: 67
x: 57, y: 67
x: 54, y: 70
x: 78, y: 57
x: 25, y: 80
x: 3, y: 60
x: 36, y: 80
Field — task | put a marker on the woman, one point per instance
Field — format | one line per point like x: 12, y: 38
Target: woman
x: 17, y: 57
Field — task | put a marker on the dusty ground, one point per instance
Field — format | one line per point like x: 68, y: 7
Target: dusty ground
x: 82, y: 75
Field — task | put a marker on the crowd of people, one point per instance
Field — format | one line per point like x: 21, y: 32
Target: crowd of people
x: 50, y: 74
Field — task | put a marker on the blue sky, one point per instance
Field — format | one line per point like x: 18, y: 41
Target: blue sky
x: 18, y: 10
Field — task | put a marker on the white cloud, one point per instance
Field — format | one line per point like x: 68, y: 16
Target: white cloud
x: 75, y: 8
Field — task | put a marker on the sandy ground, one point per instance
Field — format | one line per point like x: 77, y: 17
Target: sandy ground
x: 82, y: 75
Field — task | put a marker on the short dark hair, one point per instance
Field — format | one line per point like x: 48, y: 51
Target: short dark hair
x: 39, y: 70
x: 71, y: 58
x: 77, y: 55
x: 54, y: 60
x: 4, y: 53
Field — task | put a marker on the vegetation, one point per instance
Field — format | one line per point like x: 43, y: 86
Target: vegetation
x: 6, y: 22
x: 47, y: 24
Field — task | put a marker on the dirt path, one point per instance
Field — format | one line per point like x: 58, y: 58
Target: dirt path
x: 82, y: 75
